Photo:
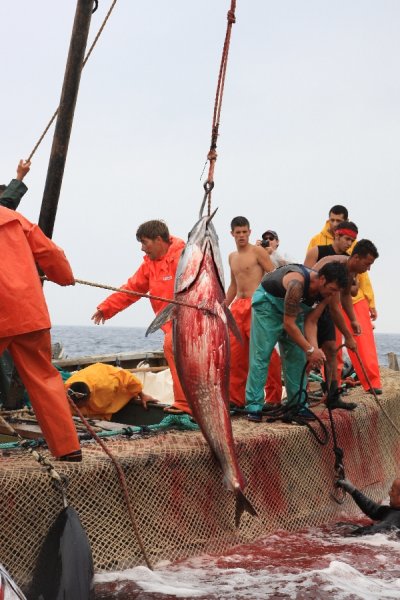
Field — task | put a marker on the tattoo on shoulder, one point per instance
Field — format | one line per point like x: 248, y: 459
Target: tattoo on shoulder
x: 293, y: 297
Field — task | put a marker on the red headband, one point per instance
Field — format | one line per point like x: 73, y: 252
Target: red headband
x: 348, y: 232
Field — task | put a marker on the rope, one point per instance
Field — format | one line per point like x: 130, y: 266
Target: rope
x: 60, y: 481
x: 139, y: 294
x: 121, y: 478
x: 373, y: 391
x: 291, y: 413
x: 212, y: 154
x: 49, y: 124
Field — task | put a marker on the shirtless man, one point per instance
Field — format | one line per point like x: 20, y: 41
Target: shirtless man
x: 248, y: 265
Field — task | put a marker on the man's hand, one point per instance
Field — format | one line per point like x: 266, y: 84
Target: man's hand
x: 346, y: 485
x: 373, y: 314
x: 356, y: 327
x: 316, y: 359
x: 145, y: 398
x: 350, y: 343
x: 98, y: 317
x: 23, y: 168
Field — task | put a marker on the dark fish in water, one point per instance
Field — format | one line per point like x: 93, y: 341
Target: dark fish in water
x: 64, y: 570
x: 201, y: 348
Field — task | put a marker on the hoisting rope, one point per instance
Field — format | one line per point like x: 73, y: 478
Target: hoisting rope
x: 212, y: 154
x: 49, y: 124
x: 139, y: 294
x: 121, y: 477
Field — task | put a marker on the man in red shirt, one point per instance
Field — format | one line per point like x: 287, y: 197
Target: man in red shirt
x: 156, y: 276
x: 25, y: 325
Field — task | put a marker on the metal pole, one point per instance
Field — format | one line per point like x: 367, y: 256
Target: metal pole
x: 65, y: 116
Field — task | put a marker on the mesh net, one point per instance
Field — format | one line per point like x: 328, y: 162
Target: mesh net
x: 177, y: 492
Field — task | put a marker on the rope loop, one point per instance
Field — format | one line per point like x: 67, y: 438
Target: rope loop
x: 208, y: 186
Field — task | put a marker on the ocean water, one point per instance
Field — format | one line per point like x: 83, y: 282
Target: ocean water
x: 98, y: 339
x: 316, y: 563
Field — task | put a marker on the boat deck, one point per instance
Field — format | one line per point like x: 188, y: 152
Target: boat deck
x: 176, y: 487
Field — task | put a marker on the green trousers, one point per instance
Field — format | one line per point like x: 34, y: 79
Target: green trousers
x: 267, y: 330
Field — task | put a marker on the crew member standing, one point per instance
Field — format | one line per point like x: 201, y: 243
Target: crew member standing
x: 248, y: 265
x: 25, y: 325
x: 156, y: 276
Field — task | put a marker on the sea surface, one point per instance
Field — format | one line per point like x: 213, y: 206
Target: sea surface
x: 316, y: 563
x: 103, y: 339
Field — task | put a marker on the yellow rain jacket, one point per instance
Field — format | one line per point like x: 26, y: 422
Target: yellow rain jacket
x: 325, y: 238
x: 111, y: 388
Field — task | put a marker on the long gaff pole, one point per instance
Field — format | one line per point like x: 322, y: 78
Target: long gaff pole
x: 65, y: 116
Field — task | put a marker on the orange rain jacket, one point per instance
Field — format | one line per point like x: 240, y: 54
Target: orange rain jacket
x: 111, y: 388
x: 155, y: 277
x: 23, y: 307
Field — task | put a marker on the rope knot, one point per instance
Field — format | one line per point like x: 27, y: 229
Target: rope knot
x: 212, y: 155
x: 231, y: 17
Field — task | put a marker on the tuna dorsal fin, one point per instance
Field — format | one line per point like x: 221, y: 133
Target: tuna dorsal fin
x: 232, y: 324
x: 165, y: 315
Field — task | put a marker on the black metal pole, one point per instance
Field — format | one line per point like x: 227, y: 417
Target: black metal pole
x: 65, y: 116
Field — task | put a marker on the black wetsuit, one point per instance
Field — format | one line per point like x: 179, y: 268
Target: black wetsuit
x: 388, y: 517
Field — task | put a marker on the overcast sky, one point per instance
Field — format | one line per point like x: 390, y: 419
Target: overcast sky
x: 311, y: 118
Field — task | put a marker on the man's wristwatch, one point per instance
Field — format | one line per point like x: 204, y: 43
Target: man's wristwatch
x: 310, y: 351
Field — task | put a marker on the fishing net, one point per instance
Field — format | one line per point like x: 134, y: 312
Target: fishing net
x: 176, y: 487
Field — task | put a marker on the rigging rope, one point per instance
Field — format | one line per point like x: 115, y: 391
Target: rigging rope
x: 139, y: 294
x: 212, y: 154
x: 121, y: 477
x: 49, y: 124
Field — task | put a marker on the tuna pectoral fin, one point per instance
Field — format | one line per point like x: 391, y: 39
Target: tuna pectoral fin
x: 165, y: 315
x: 242, y: 504
x: 232, y: 324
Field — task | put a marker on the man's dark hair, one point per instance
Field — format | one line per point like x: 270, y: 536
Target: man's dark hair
x: 338, y: 209
x: 335, y: 272
x: 2, y: 189
x: 80, y: 391
x: 239, y: 222
x: 151, y: 230
x: 365, y: 247
x: 347, y: 225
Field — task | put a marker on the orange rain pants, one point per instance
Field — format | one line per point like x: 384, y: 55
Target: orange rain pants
x: 31, y: 353
x: 366, y: 348
x: 241, y: 310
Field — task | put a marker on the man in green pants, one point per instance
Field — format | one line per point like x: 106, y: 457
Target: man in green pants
x: 278, y: 308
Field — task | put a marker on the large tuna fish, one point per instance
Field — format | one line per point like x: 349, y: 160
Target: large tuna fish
x: 201, y: 348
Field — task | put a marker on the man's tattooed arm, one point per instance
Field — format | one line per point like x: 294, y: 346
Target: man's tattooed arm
x: 293, y: 297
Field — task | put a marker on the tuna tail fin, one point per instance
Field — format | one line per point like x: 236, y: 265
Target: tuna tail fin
x: 242, y: 504
x: 232, y: 324
x: 165, y: 315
